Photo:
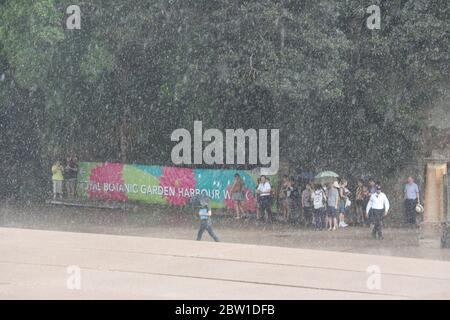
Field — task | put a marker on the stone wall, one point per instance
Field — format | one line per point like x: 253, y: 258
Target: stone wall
x: 434, y: 143
x: 436, y: 147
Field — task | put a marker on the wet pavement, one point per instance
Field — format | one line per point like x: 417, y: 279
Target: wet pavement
x: 38, y: 264
x: 181, y: 224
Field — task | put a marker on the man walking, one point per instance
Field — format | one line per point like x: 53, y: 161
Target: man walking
x: 378, y: 207
x: 411, y: 199
x: 205, y: 221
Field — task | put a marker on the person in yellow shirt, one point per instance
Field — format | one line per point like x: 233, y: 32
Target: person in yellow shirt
x: 57, y: 179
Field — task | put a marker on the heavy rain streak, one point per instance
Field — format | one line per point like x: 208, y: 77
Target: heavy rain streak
x: 291, y: 133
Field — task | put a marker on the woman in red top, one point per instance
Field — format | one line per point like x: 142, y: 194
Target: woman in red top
x: 237, y: 195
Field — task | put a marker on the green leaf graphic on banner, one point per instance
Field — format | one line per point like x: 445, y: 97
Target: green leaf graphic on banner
x: 143, y: 185
x: 84, y: 173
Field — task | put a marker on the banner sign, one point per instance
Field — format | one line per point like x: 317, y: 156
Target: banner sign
x: 162, y: 185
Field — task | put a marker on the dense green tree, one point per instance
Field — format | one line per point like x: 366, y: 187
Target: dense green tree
x: 344, y: 97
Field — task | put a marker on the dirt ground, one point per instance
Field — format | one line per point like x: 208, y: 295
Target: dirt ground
x: 159, y: 223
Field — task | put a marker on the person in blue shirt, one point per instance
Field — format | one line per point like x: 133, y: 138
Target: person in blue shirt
x: 412, y: 198
x: 205, y: 221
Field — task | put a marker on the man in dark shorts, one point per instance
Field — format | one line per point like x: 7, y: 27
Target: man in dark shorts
x: 332, y: 205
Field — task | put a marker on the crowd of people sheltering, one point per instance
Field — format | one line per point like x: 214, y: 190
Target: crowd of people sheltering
x: 326, y: 206
x: 319, y: 205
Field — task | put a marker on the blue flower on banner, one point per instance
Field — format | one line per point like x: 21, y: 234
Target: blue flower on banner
x: 155, y: 171
x: 220, y: 180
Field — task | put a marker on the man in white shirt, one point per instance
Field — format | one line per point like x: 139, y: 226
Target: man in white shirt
x: 378, y: 207
x: 265, y: 201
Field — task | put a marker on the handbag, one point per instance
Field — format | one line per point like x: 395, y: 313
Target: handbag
x: 419, y: 208
x: 348, y: 203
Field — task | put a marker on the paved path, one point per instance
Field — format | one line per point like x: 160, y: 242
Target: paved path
x: 399, y: 242
x: 33, y: 265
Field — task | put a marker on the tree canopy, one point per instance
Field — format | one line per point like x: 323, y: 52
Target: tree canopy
x: 343, y: 96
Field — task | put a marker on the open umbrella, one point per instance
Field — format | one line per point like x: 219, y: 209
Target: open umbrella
x: 326, y: 177
x: 327, y: 174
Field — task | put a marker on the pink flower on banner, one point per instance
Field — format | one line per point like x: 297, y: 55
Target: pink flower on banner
x: 248, y: 204
x: 227, y: 200
x: 181, y: 181
x: 107, y: 183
